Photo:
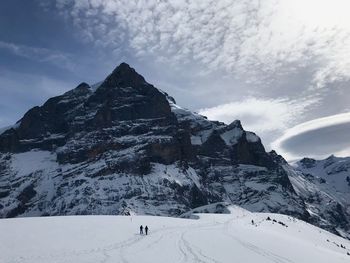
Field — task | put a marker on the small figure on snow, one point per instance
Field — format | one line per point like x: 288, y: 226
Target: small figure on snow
x: 253, y: 222
x: 146, y: 229
x: 141, y: 230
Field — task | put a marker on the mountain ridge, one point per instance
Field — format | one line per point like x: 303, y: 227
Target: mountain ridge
x: 126, y: 147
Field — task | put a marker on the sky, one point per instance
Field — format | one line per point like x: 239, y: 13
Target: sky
x: 280, y: 66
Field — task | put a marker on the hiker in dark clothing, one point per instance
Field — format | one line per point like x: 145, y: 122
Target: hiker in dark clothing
x: 146, y: 229
x: 141, y: 230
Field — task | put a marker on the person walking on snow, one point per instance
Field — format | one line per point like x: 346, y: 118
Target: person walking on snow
x: 141, y: 230
x: 146, y: 229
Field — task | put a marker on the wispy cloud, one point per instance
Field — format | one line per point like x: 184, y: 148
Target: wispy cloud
x: 259, y: 115
x: 57, y: 58
x: 267, y: 117
x: 317, y: 138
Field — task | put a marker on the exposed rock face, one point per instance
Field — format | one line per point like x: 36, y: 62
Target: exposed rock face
x: 127, y: 147
x: 308, y: 162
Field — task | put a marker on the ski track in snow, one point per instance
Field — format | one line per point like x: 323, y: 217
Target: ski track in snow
x: 195, y: 252
x: 265, y: 253
x: 119, y: 251
x: 188, y: 253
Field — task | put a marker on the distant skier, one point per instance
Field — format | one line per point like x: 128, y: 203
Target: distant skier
x: 146, y: 229
x: 141, y: 230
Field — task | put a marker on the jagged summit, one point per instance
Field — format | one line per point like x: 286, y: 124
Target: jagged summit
x: 82, y: 86
x: 124, y: 146
x: 124, y: 76
x: 124, y: 65
x: 236, y: 124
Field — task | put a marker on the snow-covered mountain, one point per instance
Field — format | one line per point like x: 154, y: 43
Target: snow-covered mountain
x: 331, y: 176
x: 211, y: 238
x: 332, y: 173
x: 124, y: 146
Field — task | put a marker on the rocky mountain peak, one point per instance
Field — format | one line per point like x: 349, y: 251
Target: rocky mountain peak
x: 81, y: 90
x: 235, y: 124
x: 83, y: 85
x: 277, y: 158
x: 124, y: 76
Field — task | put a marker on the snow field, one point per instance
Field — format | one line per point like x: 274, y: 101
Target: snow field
x: 211, y: 238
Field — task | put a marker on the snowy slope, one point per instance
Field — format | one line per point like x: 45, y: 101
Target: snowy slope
x: 212, y: 238
x: 321, y: 201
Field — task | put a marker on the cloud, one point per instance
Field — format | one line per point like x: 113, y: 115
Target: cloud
x: 57, y: 58
x: 259, y: 115
x: 317, y: 138
x: 249, y: 38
